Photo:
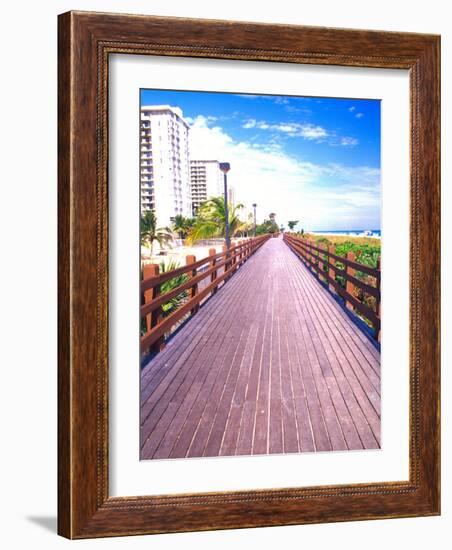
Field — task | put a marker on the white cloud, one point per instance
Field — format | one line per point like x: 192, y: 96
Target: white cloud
x: 321, y: 196
x: 359, y: 115
x: 309, y: 131
x: 250, y: 96
x: 348, y: 141
x: 352, y: 108
x: 208, y: 118
x: 281, y: 100
x: 251, y: 123
x: 306, y: 131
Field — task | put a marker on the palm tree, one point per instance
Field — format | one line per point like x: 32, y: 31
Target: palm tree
x: 210, y: 220
x: 246, y: 227
x: 167, y: 286
x: 179, y: 225
x: 182, y: 225
x: 292, y: 224
x: 149, y: 232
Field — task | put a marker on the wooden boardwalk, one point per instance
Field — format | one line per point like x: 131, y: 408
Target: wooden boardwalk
x: 270, y: 364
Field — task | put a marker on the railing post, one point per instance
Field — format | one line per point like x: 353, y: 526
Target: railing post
x: 331, y: 270
x: 377, y: 307
x: 213, y: 261
x: 193, y: 291
x: 320, y: 262
x: 155, y: 317
x: 226, y: 260
x: 316, y: 258
x: 234, y: 260
x: 311, y: 255
x: 349, y: 286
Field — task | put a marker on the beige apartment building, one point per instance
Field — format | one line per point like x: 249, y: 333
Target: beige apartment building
x: 206, y: 181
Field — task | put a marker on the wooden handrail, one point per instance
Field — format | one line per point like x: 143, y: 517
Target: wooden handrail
x: 230, y: 259
x: 372, y: 271
x: 323, y: 262
x: 163, y: 298
x: 151, y: 281
x: 347, y: 261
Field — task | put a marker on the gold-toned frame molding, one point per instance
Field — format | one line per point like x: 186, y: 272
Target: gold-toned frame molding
x: 86, y: 40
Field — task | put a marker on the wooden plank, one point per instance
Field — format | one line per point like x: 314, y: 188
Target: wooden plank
x: 281, y: 369
x: 275, y: 390
x: 233, y: 424
x: 356, y: 400
x: 181, y: 341
x: 371, y: 442
x: 218, y: 397
x: 247, y: 423
x: 214, y: 397
x: 223, y: 404
x: 362, y: 340
x: 188, y: 395
x: 307, y: 408
x: 157, y: 332
x: 351, y: 337
x: 194, y: 417
x: 308, y: 387
x: 337, y: 418
x: 180, y: 345
x: 167, y: 387
x: 260, y: 436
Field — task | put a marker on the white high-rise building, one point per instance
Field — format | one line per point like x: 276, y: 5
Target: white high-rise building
x: 206, y: 181
x: 164, y: 163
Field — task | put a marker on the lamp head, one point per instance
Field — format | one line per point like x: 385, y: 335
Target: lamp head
x: 225, y: 167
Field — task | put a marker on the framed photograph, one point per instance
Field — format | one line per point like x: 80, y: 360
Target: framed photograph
x: 248, y: 275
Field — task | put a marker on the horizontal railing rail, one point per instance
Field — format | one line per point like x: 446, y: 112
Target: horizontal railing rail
x: 211, y: 271
x: 331, y: 268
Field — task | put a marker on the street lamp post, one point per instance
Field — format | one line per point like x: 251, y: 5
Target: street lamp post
x: 254, y: 206
x: 225, y: 167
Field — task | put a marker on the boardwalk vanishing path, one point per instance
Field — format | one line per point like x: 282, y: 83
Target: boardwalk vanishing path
x: 272, y: 363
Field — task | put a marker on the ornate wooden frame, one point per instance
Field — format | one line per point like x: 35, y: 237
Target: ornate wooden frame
x: 85, y: 42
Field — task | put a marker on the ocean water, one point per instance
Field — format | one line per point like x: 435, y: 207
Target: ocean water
x: 376, y: 233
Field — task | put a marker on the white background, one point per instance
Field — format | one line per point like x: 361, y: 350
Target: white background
x: 128, y: 476
x: 28, y: 274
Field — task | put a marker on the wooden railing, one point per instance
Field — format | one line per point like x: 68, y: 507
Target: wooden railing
x: 201, y: 280
x: 332, y: 269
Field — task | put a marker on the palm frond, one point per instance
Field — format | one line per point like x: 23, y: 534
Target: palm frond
x: 211, y: 220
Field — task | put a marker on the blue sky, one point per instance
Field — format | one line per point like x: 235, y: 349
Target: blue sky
x: 315, y: 159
